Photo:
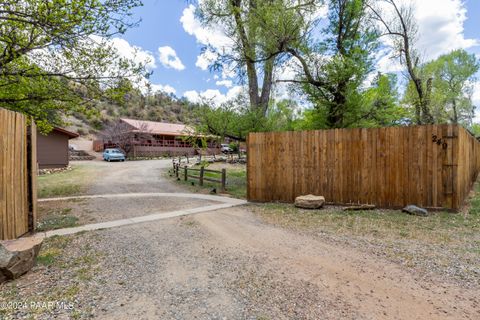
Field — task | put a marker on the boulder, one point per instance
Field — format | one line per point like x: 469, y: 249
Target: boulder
x: 18, y: 256
x: 414, y: 210
x: 309, y: 201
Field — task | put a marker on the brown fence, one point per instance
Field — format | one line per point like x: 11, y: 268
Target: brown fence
x: 18, y: 174
x: 430, y: 166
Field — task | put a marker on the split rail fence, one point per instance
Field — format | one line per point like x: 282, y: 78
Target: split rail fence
x: 430, y: 166
x: 18, y: 175
x: 202, y: 176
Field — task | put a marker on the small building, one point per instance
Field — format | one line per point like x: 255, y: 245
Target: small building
x: 52, y: 149
x: 152, y: 139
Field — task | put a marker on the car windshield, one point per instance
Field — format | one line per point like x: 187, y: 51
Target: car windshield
x: 114, y: 151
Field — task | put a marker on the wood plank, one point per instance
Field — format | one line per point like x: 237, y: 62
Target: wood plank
x: 3, y: 221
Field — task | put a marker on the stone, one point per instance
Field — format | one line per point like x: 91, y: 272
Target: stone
x: 18, y: 256
x: 416, y: 211
x: 309, y: 201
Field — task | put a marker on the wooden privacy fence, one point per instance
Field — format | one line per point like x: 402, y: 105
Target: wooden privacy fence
x: 18, y: 175
x: 431, y: 166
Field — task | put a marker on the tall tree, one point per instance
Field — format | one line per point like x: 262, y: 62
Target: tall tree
x: 334, y: 70
x: 453, y: 76
x: 401, y: 26
x: 261, y: 31
x: 55, y: 55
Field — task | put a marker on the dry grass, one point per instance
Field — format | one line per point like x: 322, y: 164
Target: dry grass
x: 67, y: 183
x: 443, y: 244
x: 236, y: 179
x: 440, y: 228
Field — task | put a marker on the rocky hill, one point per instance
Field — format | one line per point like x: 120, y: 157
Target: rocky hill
x: 156, y: 107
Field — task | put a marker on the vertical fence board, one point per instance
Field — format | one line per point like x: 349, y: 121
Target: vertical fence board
x: 16, y: 203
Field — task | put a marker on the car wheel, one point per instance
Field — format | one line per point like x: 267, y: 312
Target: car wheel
x: 108, y: 159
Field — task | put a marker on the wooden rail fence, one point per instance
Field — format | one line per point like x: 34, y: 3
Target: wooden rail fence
x: 431, y: 166
x: 201, y: 175
x: 18, y: 175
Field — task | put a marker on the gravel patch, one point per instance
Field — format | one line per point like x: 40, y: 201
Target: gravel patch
x: 226, y: 264
x: 104, y: 209
x: 163, y: 270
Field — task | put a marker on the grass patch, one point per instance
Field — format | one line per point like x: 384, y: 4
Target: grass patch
x: 57, y: 222
x: 56, y: 219
x: 440, y: 228
x: 236, y: 185
x: 443, y: 244
x: 66, y: 183
x: 49, y: 256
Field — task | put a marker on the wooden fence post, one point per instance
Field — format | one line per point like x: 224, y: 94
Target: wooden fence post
x: 224, y: 178
x: 185, y: 172
x: 202, y: 172
x: 177, y: 169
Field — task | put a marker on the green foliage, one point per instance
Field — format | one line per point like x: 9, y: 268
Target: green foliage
x: 234, y: 146
x: 450, y: 97
x: 475, y: 129
x: 262, y: 32
x: 55, y: 58
x: 380, y: 105
x: 235, y: 119
x: 453, y: 76
x: 343, y: 59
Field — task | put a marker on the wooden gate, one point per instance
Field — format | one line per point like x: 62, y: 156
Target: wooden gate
x: 18, y: 175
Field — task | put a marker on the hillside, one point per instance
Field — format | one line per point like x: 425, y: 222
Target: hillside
x: 156, y: 107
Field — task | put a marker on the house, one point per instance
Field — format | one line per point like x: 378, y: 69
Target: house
x: 52, y: 149
x: 141, y: 138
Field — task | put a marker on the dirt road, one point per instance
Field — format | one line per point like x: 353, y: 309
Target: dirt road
x: 229, y: 264
x: 361, y: 284
x: 132, y: 176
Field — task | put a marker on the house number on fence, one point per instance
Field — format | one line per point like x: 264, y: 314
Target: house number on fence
x: 439, y: 141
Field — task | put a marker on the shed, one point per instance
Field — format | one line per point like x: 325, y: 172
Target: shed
x: 52, y: 149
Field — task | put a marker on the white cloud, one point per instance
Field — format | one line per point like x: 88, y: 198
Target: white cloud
x: 204, y: 35
x: 440, y: 30
x: 162, y: 88
x: 440, y: 25
x: 206, y: 59
x: 213, y: 96
x: 226, y: 83
x: 207, y: 36
x: 169, y: 59
x: 132, y: 52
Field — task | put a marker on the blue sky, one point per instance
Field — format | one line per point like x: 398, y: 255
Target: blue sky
x: 160, y: 27
x: 441, y: 23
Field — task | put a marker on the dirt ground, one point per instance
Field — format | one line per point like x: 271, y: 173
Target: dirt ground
x: 230, y: 264
x: 105, y: 209
x: 132, y: 176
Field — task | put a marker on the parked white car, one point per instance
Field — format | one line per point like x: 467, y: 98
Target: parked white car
x: 225, y: 148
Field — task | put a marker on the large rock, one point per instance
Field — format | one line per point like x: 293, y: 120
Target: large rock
x: 18, y: 256
x: 309, y: 201
x: 416, y: 211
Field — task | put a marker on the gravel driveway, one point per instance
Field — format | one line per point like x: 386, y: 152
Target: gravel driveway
x: 132, y: 176
x: 229, y: 264
x: 124, y: 178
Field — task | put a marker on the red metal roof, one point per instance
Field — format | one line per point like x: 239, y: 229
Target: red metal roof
x: 172, y: 129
